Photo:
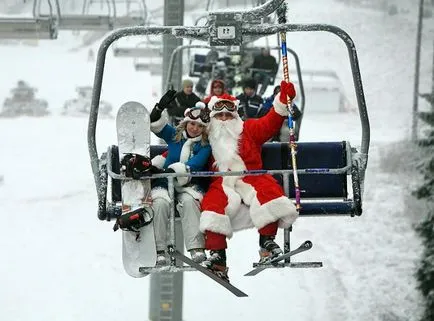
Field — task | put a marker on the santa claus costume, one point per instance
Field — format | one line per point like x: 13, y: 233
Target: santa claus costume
x: 236, y: 146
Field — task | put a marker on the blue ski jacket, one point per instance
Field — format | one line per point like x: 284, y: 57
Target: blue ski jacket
x: 183, y: 156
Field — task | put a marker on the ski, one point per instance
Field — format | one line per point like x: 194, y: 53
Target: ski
x: 209, y: 274
x: 307, y: 245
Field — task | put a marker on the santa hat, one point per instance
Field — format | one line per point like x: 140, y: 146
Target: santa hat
x: 196, y: 114
x: 216, y: 99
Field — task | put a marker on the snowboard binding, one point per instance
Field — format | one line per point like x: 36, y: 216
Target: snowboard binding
x: 133, y: 220
x: 136, y: 166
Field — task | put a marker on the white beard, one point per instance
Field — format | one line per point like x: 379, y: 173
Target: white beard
x: 224, y: 138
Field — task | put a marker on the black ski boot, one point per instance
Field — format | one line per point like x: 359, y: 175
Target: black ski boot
x: 269, y: 249
x: 216, y: 263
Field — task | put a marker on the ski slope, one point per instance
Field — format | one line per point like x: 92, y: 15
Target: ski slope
x: 59, y: 262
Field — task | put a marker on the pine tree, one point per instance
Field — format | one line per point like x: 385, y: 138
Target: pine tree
x: 425, y: 272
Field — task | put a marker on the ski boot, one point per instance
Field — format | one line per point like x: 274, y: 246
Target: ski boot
x: 269, y: 249
x: 216, y: 263
x: 198, y: 255
x: 161, y: 259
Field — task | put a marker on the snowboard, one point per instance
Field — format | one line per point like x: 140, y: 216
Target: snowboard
x: 133, y: 133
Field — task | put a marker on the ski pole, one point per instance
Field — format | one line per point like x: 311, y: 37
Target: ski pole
x: 281, y: 13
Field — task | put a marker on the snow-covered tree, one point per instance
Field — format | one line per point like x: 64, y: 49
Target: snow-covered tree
x: 425, y: 192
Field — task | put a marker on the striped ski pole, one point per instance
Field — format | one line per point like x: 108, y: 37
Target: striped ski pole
x: 281, y: 13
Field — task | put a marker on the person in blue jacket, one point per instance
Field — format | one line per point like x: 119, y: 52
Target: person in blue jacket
x: 187, y: 150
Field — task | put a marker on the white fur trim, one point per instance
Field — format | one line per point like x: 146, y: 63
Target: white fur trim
x: 281, y: 209
x: 280, y: 108
x: 180, y: 168
x: 160, y: 192
x: 158, y: 161
x: 215, y: 222
x: 157, y: 126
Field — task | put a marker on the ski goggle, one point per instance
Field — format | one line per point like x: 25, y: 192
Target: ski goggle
x: 229, y: 105
x: 198, y: 113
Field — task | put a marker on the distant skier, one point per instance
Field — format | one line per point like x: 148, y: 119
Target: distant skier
x: 236, y: 146
x: 90, y: 55
x: 188, y: 149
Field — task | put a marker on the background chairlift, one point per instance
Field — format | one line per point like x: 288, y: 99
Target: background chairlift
x: 91, y: 21
x: 78, y: 21
x: 142, y: 49
x: 153, y: 65
x: 325, y: 91
x: 326, y: 169
x: 27, y: 28
x: 137, y: 17
x: 148, y: 58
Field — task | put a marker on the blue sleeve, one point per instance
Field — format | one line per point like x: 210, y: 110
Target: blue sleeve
x: 167, y: 133
x: 268, y: 102
x: 200, y: 160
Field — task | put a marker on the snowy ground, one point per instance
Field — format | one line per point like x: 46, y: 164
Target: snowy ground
x: 60, y: 263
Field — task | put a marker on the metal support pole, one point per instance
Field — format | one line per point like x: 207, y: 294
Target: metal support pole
x: 432, y: 73
x: 173, y: 16
x: 416, y: 73
x: 166, y: 289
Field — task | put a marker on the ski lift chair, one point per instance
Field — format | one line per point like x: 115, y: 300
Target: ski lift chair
x: 327, y: 170
x: 78, y: 22
x: 196, y: 65
x: 133, y: 18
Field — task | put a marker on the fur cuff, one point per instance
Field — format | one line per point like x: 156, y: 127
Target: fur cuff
x: 180, y: 168
x: 215, y: 222
x: 280, y: 108
x: 157, y: 126
x: 280, y: 209
x: 158, y: 161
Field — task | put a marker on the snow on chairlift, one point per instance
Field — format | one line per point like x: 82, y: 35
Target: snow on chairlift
x: 331, y: 174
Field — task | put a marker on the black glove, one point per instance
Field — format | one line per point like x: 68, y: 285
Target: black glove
x: 167, y: 98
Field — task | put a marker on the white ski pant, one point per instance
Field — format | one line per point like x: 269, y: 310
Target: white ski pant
x: 189, y: 211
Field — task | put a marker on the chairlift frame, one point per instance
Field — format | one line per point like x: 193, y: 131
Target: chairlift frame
x: 355, y: 161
